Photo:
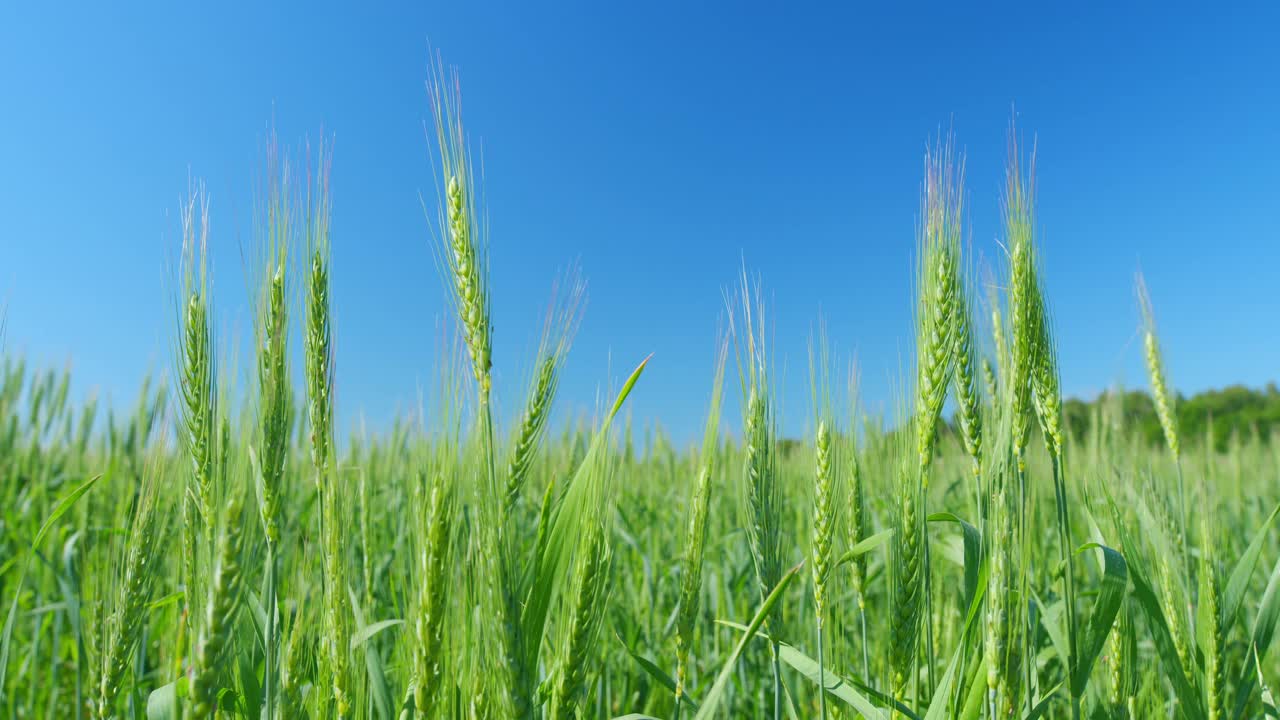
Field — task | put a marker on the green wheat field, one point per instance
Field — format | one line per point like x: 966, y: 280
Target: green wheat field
x: 989, y: 551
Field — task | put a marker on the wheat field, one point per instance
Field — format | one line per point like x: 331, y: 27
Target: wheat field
x: 215, y: 551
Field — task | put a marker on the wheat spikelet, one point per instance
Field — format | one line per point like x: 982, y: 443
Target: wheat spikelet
x: 1046, y: 387
x: 691, y: 579
x: 990, y: 381
x: 226, y: 580
x: 272, y: 338
x: 553, y: 348
x: 1214, y: 634
x: 695, y: 537
x: 1160, y: 392
x: 823, y: 518
x: 137, y: 578
x: 588, y: 596
x: 531, y: 424
x: 1020, y: 237
x: 761, y: 493
x: 196, y: 373
x: 937, y: 285
x: 1001, y: 340
x: 1121, y: 656
x: 997, y: 612
x: 762, y: 512
x: 968, y: 400
x: 319, y: 377
x: 464, y: 255
x: 433, y: 599
x: 908, y: 585
x: 292, y: 677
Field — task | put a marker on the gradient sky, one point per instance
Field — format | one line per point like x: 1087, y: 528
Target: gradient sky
x: 661, y: 146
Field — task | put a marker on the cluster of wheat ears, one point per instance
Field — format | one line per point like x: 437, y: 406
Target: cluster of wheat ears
x: 991, y: 567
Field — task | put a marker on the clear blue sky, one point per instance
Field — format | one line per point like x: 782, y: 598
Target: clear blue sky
x: 660, y: 145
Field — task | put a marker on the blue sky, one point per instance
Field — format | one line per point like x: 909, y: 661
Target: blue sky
x: 661, y: 146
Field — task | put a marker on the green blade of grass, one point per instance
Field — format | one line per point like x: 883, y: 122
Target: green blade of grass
x: 58, y: 511
x: 972, y: 552
x: 1190, y: 704
x: 716, y: 695
x: 654, y: 672
x: 551, y: 563
x: 1238, y: 580
x: 862, y: 548
x: 1115, y: 581
x: 1264, y: 628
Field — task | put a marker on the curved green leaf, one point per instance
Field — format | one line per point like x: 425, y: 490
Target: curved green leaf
x: 1238, y: 581
x: 1190, y: 703
x: 656, y: 673
x: 832, y: 683
x: 368, y: 631
x: 862, y: 548
x: 1115, y: 581
x: 972, y: 552
x: 59, y: 510
x: 378, y: 689
x: 162, y: 703
x: 714, y: 697
x: 1264, y: 628
x: 575, y: 508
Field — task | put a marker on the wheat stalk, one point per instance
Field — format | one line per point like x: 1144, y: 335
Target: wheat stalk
x: 696, y: 536
x: 319, y: 375
x: 937, y: 286
x: 275, y: 398
x: 762, y: 509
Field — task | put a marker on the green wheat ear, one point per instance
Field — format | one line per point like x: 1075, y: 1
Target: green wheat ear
x: 1160, y: 392
x: 211, y: 666
x: 553, y: 349
x: 588, y: 597
x: 197, y: 381
x: 136, y: 581
x: 433, y: 598
x: 1122, y: 654
x: 272, y: 338
x: 908, y: 586
x: 823, y: 517
x: 1045, y: 383
x: 464, y: 254
x: 1019, y: 220
x: 968, y: 399
x: 319, y: 376
x: 938, y: 283
x: 824, y: 488
x: 696, y: 535
x: 1215, y: 634
x: 762, y: 492
x: 997, y: 613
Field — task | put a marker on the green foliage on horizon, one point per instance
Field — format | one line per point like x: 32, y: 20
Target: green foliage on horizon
x: 1232, y: 413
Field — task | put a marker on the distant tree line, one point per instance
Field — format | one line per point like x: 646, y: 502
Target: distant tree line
x: 1232, y: 411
